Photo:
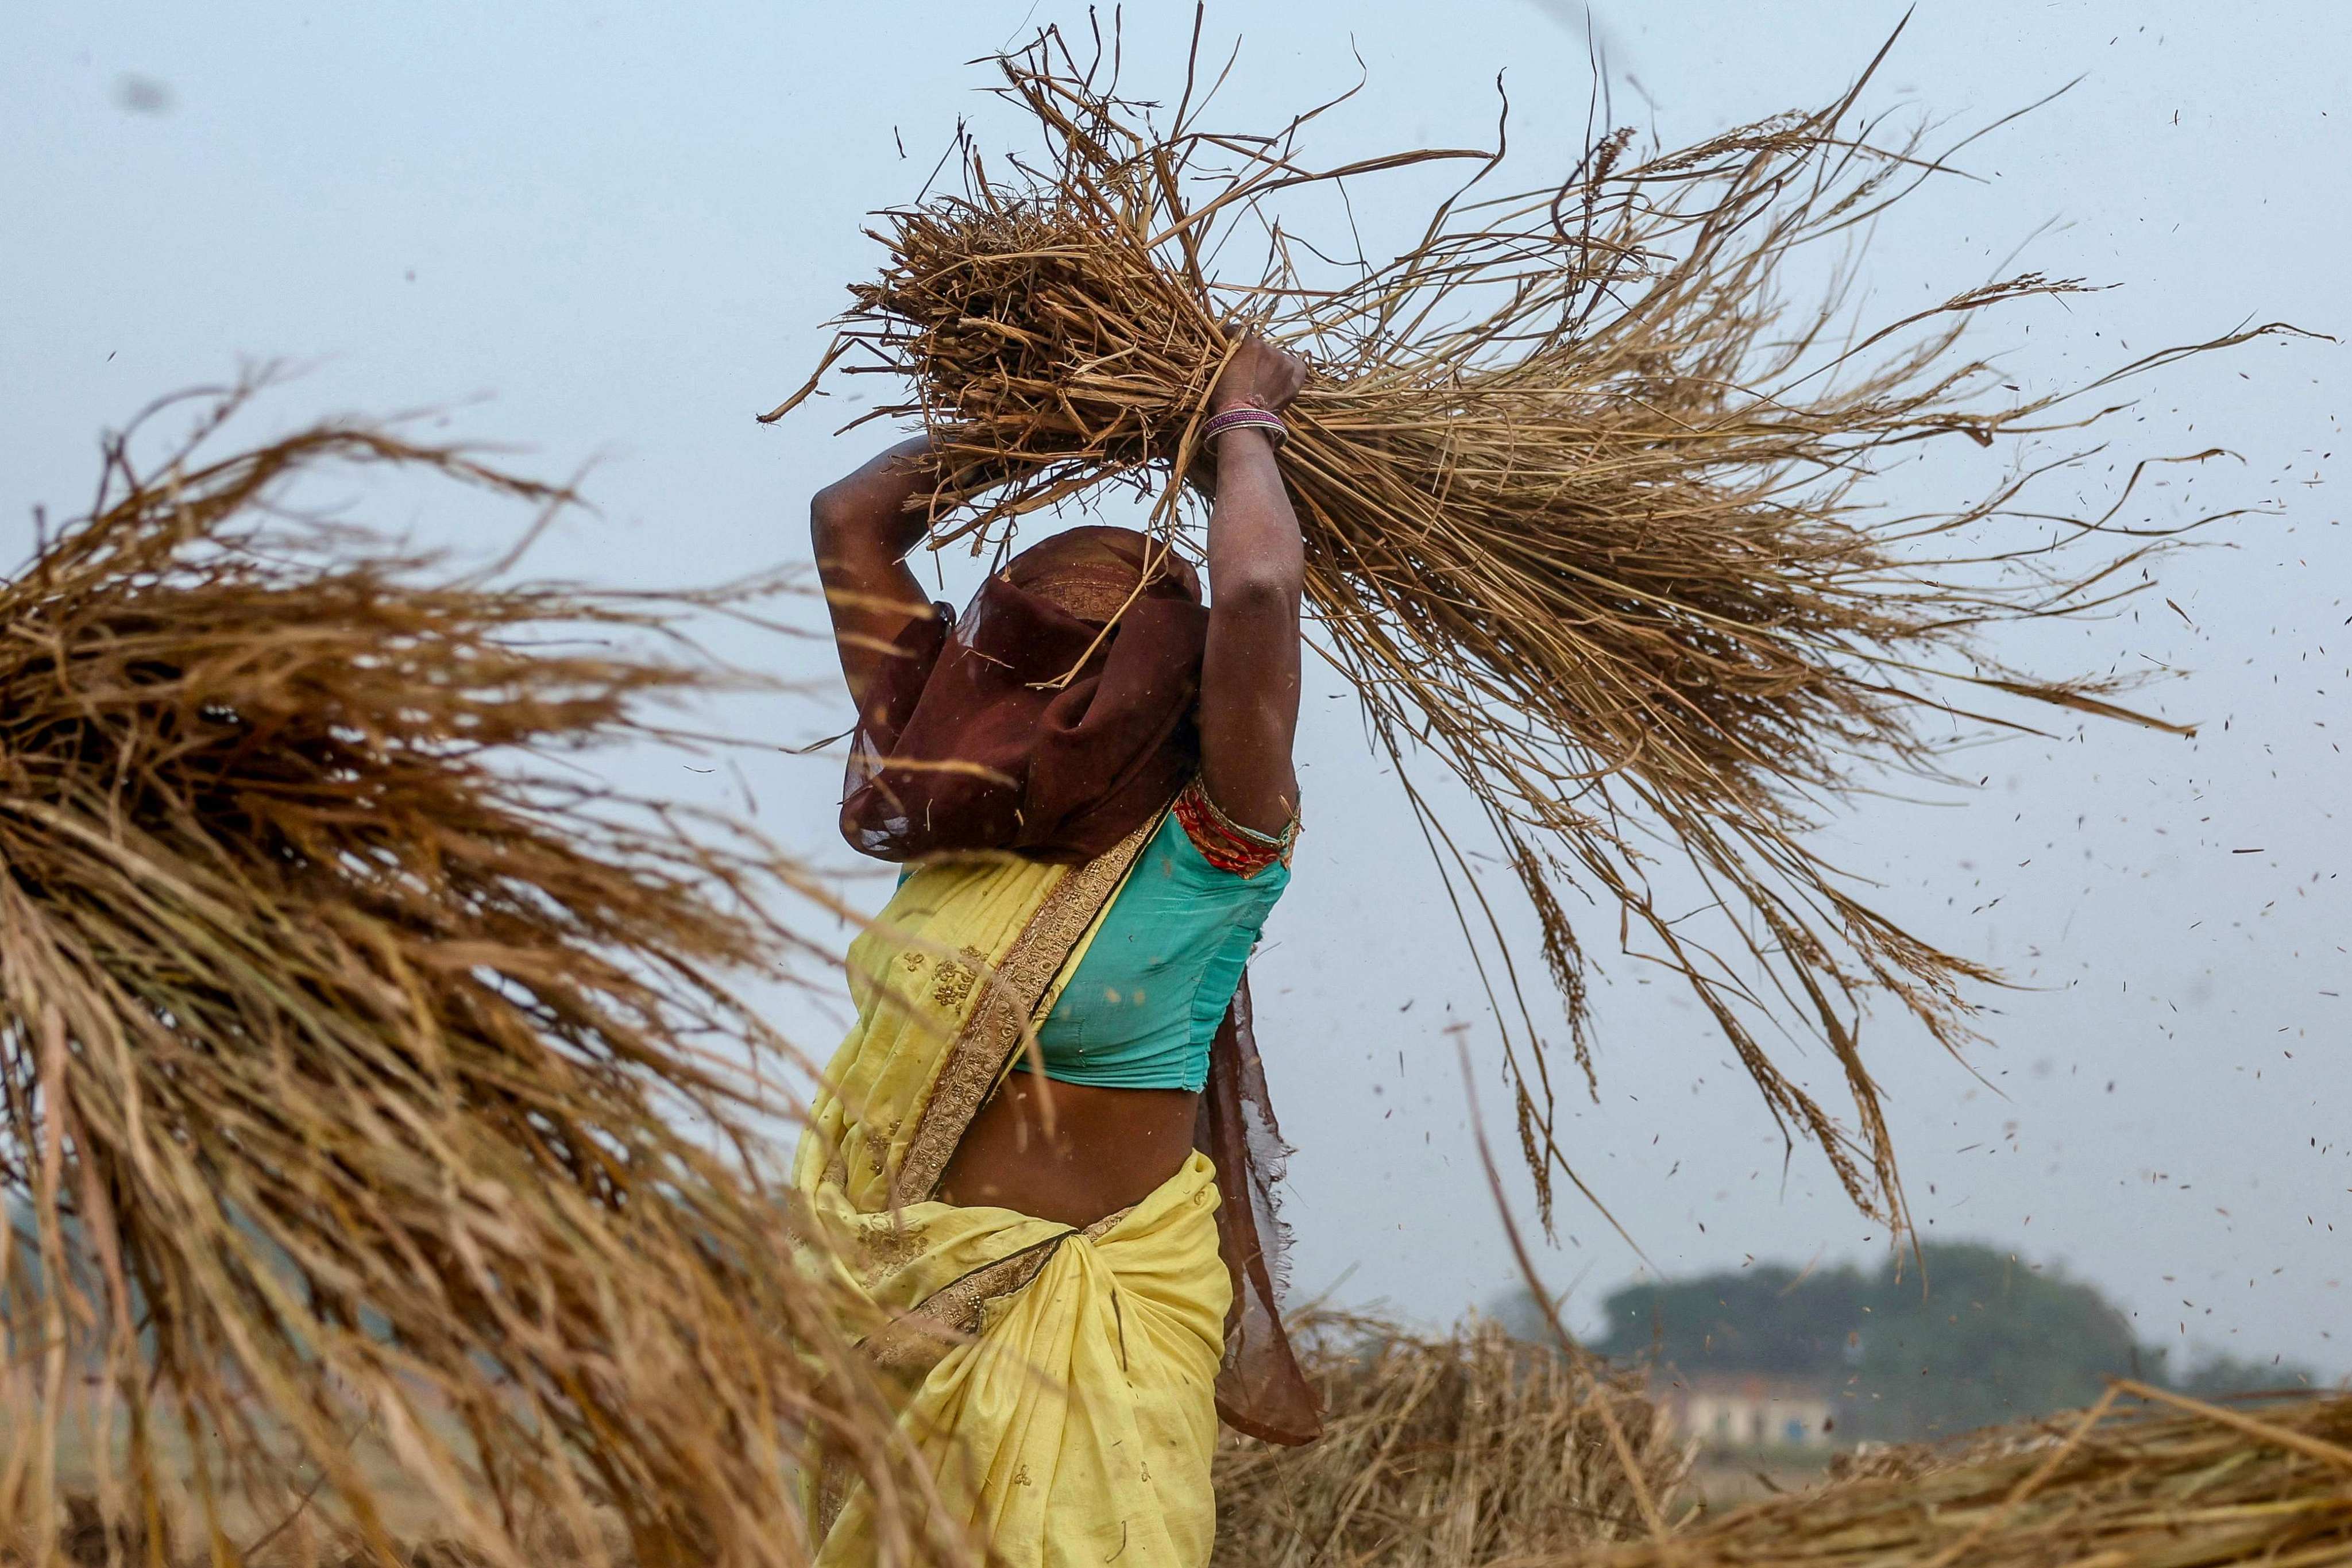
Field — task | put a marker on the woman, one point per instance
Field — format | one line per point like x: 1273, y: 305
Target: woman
x: 1090, y: 775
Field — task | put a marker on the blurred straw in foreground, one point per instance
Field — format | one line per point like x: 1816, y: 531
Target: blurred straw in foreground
x: 345, y: 1043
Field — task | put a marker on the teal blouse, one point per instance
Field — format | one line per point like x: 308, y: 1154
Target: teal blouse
x: 1150, y: 992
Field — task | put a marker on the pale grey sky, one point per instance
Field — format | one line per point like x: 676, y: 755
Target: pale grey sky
x: 617, y: 232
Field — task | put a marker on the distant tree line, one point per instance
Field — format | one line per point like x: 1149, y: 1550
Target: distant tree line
x: 1983, y: 1337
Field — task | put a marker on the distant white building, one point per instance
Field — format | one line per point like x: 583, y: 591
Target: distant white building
x: 1736, y: 1411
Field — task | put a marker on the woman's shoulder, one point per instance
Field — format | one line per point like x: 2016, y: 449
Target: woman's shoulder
x: 1223, y: 847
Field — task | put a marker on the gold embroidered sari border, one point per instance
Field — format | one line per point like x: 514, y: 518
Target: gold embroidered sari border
x: 917, y: 1338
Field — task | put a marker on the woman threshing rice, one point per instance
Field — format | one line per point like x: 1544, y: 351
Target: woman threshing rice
x: 1025, y: 1135
x: 1583, y: 455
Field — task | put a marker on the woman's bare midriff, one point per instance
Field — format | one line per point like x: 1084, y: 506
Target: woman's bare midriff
x: 1107, y: 1148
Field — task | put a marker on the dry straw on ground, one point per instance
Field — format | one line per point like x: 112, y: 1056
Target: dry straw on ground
x: 1587, y: 504
x: 348, y: 1030
x: 1443, y: 1452
x: 2146, y: 1478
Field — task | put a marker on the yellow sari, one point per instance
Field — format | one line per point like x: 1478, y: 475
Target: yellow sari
x: 1061, y: 1382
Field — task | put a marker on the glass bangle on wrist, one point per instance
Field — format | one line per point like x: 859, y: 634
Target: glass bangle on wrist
x: 1245, y: 417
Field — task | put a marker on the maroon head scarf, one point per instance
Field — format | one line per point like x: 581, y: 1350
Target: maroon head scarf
x: 1036, y: 722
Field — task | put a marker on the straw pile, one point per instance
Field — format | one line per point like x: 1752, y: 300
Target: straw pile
x: 1450, y: 1451
x: 1584, y: 502
x: 343, y: 1048
x: 2146, y: 1478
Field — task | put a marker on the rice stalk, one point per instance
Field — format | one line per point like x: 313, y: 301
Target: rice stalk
x: 349, y: 1038
x: 1589, y: 512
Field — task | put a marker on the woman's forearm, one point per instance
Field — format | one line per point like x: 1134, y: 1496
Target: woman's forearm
x: 862, y: 529
x: 1257, y: 567
x: 865, y: 513
x: 1255, y: 550
x: 1250, y: 674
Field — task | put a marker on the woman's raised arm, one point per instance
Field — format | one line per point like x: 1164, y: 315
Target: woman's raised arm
x: 862, y: 532
x: 1249, y: 677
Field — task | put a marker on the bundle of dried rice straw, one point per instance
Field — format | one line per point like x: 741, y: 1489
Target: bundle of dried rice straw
x: 2145, y: 1478
x: 1584, y: 507
x: 1461, y: 1450
x: 344, y: 1045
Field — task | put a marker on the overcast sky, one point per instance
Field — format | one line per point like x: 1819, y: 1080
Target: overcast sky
x: 602, y: 236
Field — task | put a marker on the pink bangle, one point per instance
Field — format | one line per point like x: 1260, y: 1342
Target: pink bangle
x: 1243, y: 416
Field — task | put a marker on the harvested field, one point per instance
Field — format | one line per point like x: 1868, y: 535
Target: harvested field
x: 2145, y: 1479
x: 1463, y: 1448
x: 1471, y: 1450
